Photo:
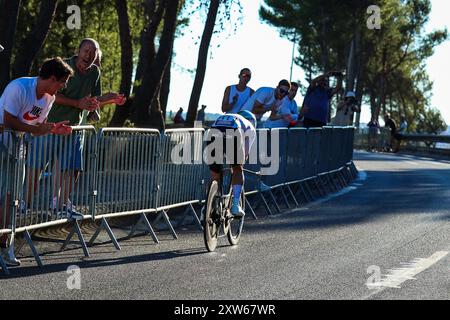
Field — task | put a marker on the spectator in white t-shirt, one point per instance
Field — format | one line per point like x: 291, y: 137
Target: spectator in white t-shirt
x: 265, y: 99
x: 24, y: 106
x: 235, y: 96
x: 287, y: 114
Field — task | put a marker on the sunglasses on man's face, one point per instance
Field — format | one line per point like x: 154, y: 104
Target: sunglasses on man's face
x: 283, y: 91
x: 246, y: 76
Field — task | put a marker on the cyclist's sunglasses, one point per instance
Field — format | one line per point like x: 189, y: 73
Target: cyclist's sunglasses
x: 246, y: 75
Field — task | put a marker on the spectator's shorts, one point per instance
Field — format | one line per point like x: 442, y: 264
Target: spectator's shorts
x: 68, y: 150
x: 12, y: 158
x: 233, y: 157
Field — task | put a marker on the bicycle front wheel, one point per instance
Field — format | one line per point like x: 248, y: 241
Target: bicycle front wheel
x: 236, y: 224
x: 212, y: 217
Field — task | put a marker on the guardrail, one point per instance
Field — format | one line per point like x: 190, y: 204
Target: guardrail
x: 140, y: 171
x: 420, y: 143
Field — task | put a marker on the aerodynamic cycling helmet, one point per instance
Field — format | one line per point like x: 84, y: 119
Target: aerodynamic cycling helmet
x: 249, y: 116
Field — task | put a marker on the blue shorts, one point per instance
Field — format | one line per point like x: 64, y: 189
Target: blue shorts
x: 45, y: 150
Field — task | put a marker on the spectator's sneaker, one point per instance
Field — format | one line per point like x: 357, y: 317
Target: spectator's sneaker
x: 23, y: 207
x: 72, y: 213
x: 263, y: 187
x: 9, y: 258
x: 59, y: 213
x: 69, y: 205
x: 237, y: 211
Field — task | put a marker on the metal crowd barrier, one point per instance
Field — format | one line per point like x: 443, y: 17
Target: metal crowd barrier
x: 139, y: 171
x: 126, y: 177
x: 181, y: 172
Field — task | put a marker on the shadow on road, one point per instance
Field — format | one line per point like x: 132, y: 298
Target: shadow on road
x: 30, y: 271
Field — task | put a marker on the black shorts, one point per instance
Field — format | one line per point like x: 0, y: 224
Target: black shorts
x: 238, y: 156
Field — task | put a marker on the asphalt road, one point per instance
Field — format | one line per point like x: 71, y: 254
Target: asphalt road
x: 390, y: 229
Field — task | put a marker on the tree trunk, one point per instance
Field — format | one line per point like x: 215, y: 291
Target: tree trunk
x: 154, y: 73
x: 148, y: 52
x: 9, y: 13
x: 165, y: 87
x: 201, y: 62
x: 122, y: 112
x: 31, y: 45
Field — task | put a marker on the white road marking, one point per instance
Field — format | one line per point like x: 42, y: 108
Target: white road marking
x: 395, y: 277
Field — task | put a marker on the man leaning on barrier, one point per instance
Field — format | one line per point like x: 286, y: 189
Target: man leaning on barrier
x: 24, y: 106
x: 266, y: 99
x: 76, y: 103
x: 286, y: 115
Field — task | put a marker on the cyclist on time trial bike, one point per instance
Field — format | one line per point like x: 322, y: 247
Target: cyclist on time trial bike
x: 240, y: 128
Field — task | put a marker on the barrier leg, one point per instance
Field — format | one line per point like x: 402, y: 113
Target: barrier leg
x: 332, y: 179
x: 292, y: 195
x: 342, y: 179
x: 148, y: 226
x: 324, y: 182
x: 76, y: 229
x: 164, y: 215
x: 348, y: 174
x: 308, y: 186
x: 274, y: 201
x: 248, y: 205
x: 33, y: 249
x: 306, y: 191
x: 69, y: 237
x: 318, y: 186
x: 196, y: 219
x: 285, y: 198
x: 353, y: 170
x: 105, y: 225
x: 269, y: 212
x: 190, y: 209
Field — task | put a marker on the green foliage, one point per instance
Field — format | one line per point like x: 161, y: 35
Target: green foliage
x: 431, y: 121
x: 392, y: 60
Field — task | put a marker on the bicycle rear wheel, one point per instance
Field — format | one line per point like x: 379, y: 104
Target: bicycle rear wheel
x: 212, y: 216
x: 236, y: 224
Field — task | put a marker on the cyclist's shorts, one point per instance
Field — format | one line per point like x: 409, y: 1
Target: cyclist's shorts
x: 231, y: 145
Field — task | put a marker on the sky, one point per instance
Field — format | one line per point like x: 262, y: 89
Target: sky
x: 259, y: 46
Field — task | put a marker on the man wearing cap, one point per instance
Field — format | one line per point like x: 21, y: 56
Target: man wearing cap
x: 345, y: 110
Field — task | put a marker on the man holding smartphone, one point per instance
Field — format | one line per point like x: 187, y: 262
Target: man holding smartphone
x: 316, y: 104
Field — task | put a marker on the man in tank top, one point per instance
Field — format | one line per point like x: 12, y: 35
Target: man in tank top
x: 236, y: 96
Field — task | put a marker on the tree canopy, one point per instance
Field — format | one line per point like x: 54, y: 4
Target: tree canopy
x: 386, y: 65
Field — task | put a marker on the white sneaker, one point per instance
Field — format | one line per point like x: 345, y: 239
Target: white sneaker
x: 237, y: 211
x: 9, y: 258
x: 263, y: 187
x: 72, y: 212
x: 68, y: 205
x: 23, y: 207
